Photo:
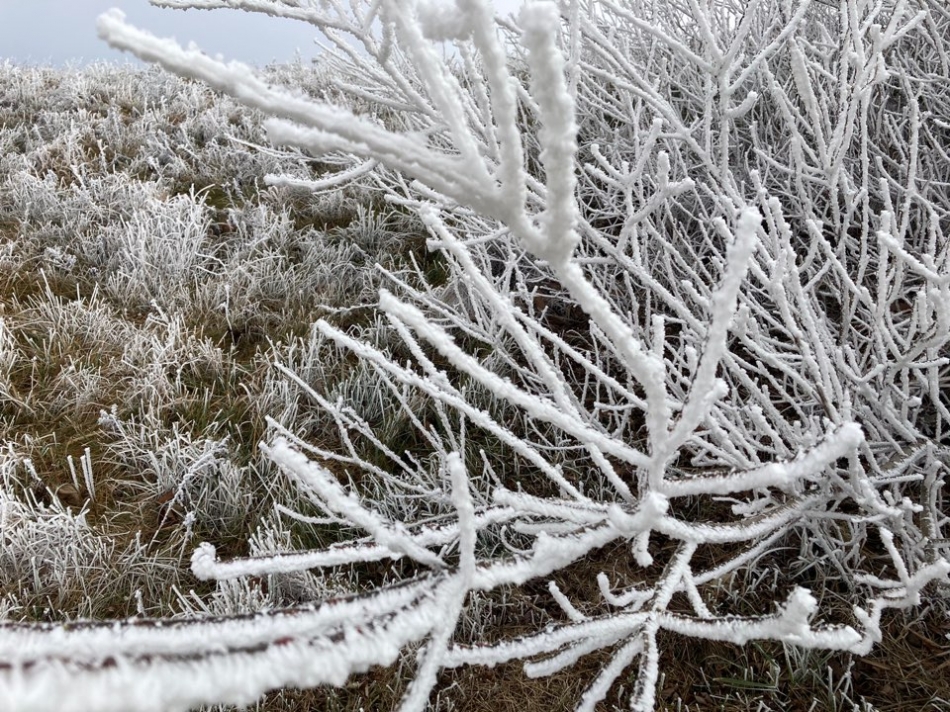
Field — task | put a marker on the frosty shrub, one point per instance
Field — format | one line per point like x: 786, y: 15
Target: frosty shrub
x: 693, y: 313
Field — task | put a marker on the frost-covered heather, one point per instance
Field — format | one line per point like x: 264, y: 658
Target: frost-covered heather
x: 683, y: 357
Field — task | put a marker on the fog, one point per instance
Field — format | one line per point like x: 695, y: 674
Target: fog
x: 64, y: 31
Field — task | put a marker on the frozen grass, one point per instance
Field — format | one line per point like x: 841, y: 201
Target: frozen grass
x: 149, y: 280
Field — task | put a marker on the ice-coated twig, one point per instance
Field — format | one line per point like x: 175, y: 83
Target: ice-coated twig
x: 141, y: 664
x: 331, y: 494
x: 340, y: 178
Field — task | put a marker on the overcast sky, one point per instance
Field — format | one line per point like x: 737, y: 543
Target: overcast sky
x: 60, y: 31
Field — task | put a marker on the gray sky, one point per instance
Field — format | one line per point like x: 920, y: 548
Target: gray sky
x: 60, y: 31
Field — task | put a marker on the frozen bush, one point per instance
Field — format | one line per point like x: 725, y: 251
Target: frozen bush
x: 702, y: 259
